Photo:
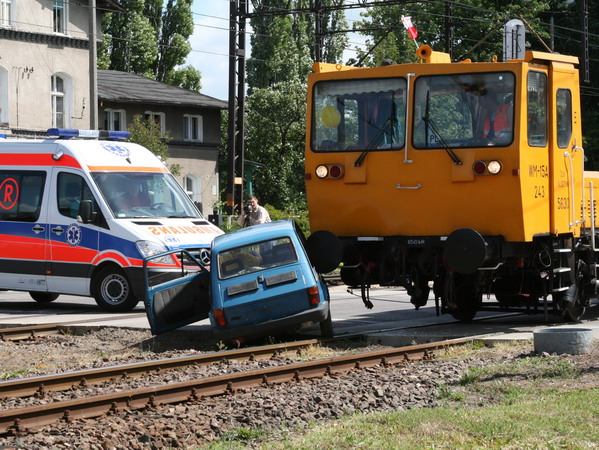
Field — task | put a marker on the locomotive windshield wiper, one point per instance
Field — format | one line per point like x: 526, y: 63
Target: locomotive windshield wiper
x: 429, y: 124
x: 378, y: 137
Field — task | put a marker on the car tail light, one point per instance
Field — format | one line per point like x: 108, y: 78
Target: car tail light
x: 479, y: 167
x: 219, y: 317
x: 313, y: 295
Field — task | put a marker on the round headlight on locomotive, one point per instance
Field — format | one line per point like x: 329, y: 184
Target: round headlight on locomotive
x: 322, y: 171
x: 494, y: 167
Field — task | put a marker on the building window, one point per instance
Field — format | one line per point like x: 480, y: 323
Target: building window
x: 6, y: 13
x: 60, y: 92
x: 157, y: 117
x: 60, y: 16
x: 192, y: 186
x: 115, y: 119
x: 193, y: 129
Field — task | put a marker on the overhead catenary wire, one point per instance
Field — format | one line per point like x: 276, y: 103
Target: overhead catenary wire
x: 353, y: 30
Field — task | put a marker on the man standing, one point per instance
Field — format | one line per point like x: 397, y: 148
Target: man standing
x: 252, y: 213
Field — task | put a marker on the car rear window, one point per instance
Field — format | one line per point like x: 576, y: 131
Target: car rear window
x: 256, y: 257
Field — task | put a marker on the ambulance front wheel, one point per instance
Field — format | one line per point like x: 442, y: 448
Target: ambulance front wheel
x: 112, y: 290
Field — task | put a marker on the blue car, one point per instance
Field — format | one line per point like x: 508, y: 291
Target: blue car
x: 260, y: 282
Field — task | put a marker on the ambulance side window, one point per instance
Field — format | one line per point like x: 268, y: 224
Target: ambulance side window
x: 72, y: 189
x: 21, y: 195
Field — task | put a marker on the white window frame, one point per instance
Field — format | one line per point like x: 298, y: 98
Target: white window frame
x: 59, y: 26
x: 3, y: 95
x: 196, y: 186
x: 66, y: 96
x: 7, y: 8
x: 159, y: 117
x: 109, y: 118
x: 188, y: 128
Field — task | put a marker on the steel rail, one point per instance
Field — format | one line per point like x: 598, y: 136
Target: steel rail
x: 36, y: 331
x: 24, y: 420
x: 28, y: 332
x: 41, y: 385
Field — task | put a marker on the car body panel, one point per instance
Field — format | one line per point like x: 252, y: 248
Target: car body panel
x: 259, y: 281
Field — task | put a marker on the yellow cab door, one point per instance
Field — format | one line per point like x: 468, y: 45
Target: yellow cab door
x: 566, y: 157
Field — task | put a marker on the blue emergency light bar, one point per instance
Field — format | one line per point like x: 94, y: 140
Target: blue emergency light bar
x: 66, y: 133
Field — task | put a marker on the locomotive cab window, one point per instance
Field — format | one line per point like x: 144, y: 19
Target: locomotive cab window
x: 564, y: 117
x: 464, y: 110
x: 537, y: 109
x: 359, y: 115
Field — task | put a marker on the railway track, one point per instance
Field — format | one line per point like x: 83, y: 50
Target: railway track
x: 25, y: 420
x: 42, y: 385
x: 32, y: 332
x: 29, y: 332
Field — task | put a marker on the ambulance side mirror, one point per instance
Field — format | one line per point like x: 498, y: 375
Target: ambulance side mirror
x: 86, y: 214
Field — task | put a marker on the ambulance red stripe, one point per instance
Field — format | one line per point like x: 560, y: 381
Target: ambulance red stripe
x: 37, y: 159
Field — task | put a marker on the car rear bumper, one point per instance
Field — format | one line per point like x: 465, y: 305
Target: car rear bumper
x: 316, y: 315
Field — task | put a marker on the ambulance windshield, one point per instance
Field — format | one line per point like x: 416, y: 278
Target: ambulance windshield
x: 134, y: 195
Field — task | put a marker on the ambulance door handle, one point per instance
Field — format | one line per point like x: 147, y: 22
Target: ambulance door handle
x: 38, y: 229
x: 58, y: 230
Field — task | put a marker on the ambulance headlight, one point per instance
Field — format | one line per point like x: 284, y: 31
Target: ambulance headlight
x: 149, y: 248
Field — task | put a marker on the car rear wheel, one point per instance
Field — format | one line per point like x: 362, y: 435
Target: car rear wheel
x: 43, y: 297
x: 326, y: 326
x: 112, y: 290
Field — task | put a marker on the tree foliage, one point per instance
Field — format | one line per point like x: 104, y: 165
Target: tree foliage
x: 477, y: 29
x: 275, y: 137
x: 150, y: 40
x: 283, y: 50
x: 147, y: 133
x: 284, y: 46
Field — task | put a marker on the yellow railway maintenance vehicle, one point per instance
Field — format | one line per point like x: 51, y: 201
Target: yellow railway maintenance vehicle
x: 467, y: 175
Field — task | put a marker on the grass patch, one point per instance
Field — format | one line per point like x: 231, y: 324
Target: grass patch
x: 548, y: 420
x: 238, y: 438
x: 478, y: 347
x: 530, y: 368
x: 512, y: 403
x: 8, y: 374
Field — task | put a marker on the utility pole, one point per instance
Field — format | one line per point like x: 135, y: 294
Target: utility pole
x: 319, y: 37
x: 236, y: 146
x: 448, y: 27
x: 93, y: 67
x: 584, y: 40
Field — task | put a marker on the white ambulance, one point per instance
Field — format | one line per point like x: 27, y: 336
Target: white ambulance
x: 77, y: 216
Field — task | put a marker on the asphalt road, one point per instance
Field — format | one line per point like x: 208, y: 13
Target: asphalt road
x: 392, y: 313
x: 392, y: 309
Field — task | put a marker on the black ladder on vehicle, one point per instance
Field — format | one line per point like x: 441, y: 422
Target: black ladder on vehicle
x: 562, y: 274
